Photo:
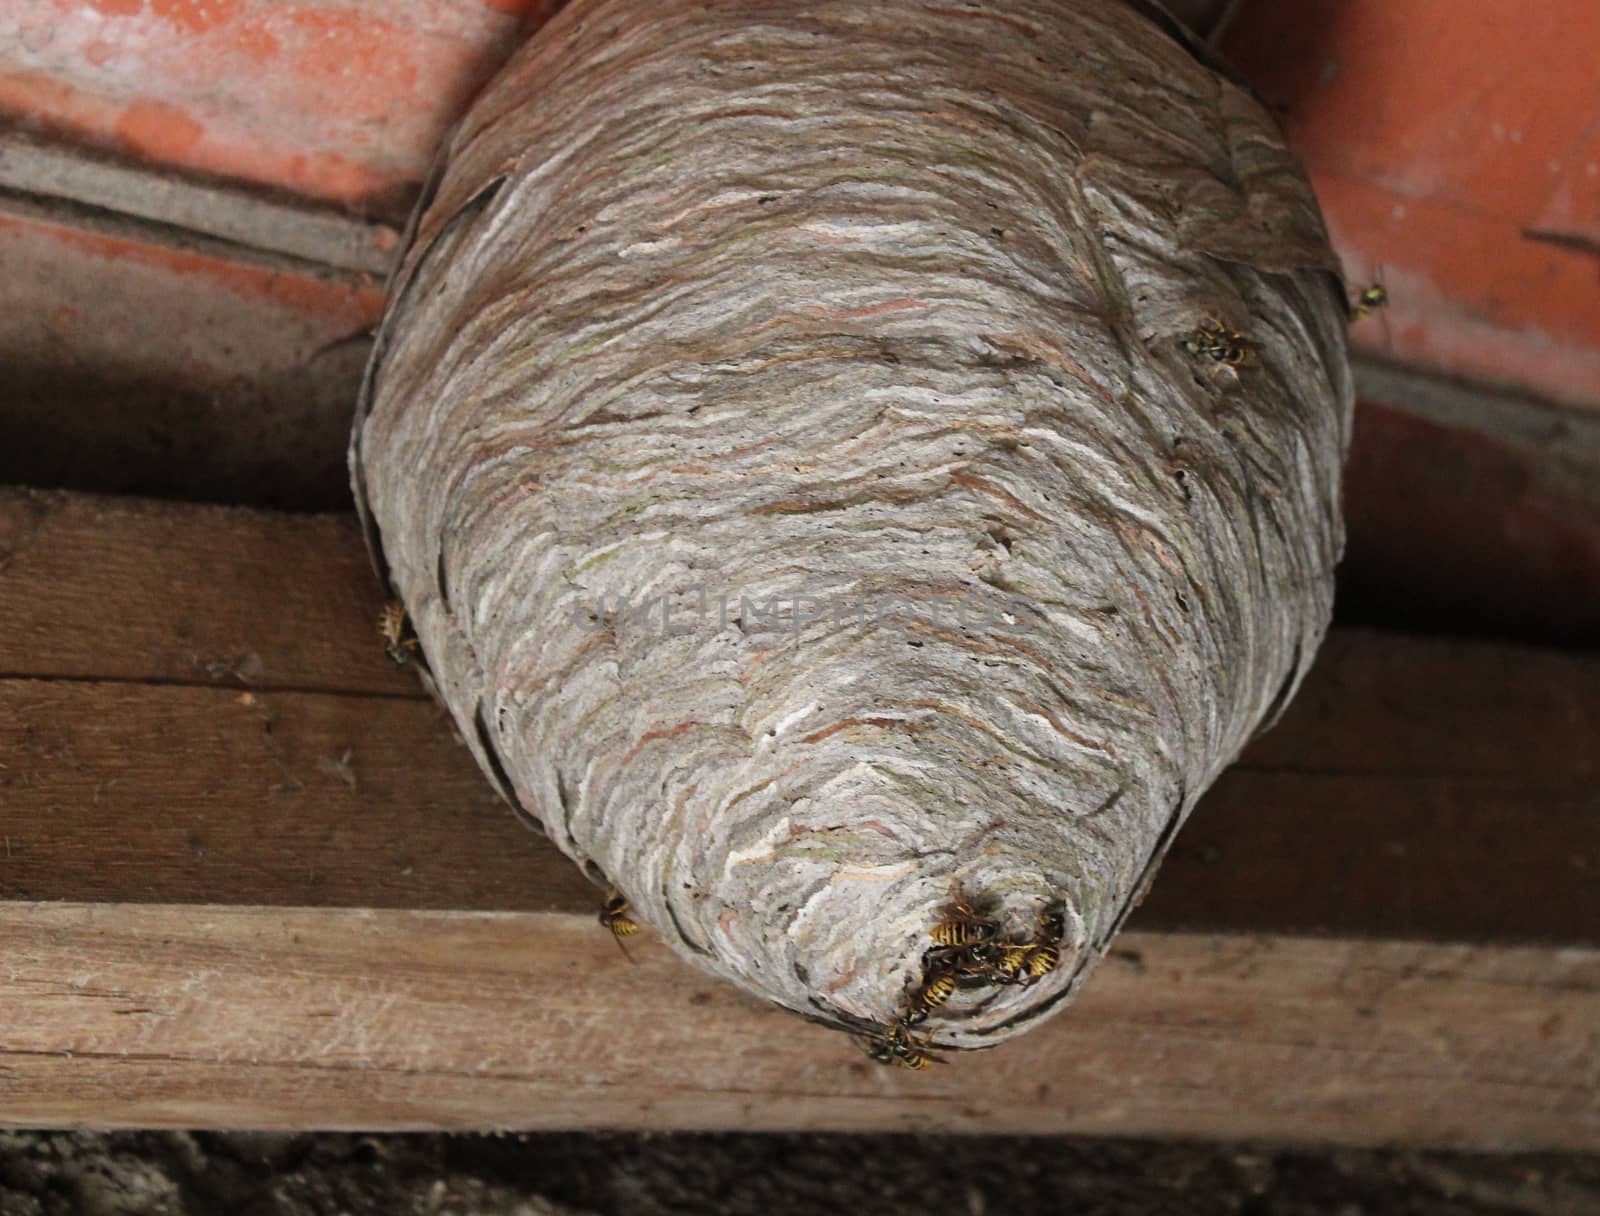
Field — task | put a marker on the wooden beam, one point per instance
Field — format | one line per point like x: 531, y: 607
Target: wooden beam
x: 209, y: 681
x: 96, y: 588
x: 253, y: 880
x: 120, y: 791
x: 264, y: 1018
x: 166, y: 794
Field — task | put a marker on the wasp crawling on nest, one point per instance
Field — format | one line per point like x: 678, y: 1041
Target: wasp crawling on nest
x: 399, y: 639
x: 614, y: 915
x: 962, y: 930
x: 968, y: 947
x: 967, y: 953
x: 938, y: 987
x: 1019, y: 963
x: 1220, y: 343
x: 1369, y: 301
x: 899, y: 1046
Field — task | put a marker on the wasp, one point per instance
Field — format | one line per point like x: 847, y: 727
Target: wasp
x: 906, y: 1050
x: 962, y: 927
x: 1010, y: 964
x: 898, y: 1046
x: 965, y: 962
x: 614, y: 915
x: 1020, y: 963
x: 935, y: 991
x: 1369, y: 301
x: 877, y: 1050
x: 399, y: 639
x: 1218, y: 343
x: 1042, y: 960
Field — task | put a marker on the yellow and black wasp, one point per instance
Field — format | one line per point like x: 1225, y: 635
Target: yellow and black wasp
x: 937, y: 988
x: 1009, y: 964
x: 399, y: 639
x: 1042, y: 960
x: 1220, y: 343
x: 1369, y: 301
x: 963, y: 927
x: 614, y: 915
x: 898, y: 1046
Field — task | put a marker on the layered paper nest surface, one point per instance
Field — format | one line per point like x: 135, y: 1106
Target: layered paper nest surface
x: 843, y: 459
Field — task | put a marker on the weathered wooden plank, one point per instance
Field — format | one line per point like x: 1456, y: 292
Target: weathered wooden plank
x: 122, y: 792
x: 128, y: 589
x: 198, y: 712
x: 110, y: 588
x: 170, y: 794
x: 1416, y: 789
x: 249, y: 1017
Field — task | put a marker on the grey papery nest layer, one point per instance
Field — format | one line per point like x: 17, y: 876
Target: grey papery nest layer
x: 852, y: 344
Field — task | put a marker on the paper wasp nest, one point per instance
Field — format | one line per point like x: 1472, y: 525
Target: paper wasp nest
x: 843, y: 459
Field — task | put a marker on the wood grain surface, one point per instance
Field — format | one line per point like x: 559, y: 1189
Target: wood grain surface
x: 125, y: 589
x: 253, y: 880
x: 182, y: 723
x: 262, y: 1018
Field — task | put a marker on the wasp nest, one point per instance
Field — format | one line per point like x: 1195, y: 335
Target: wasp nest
x: 858, y: 471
